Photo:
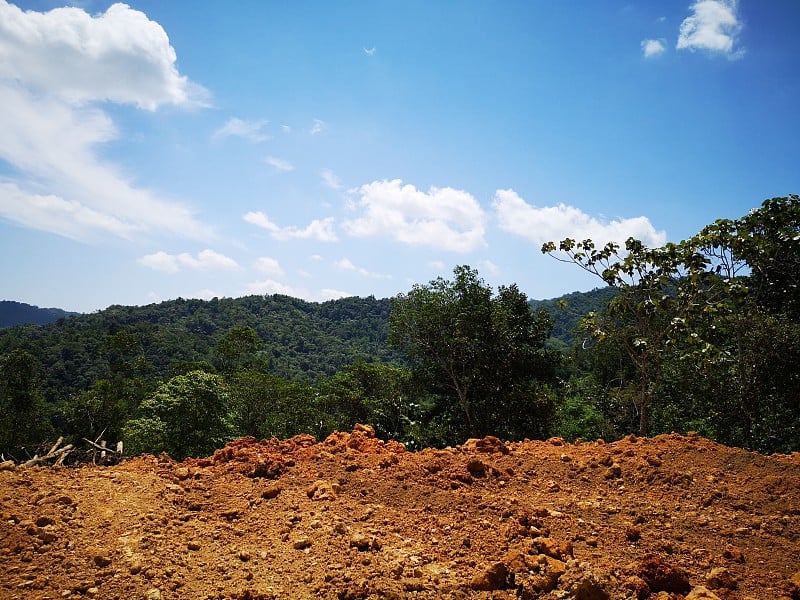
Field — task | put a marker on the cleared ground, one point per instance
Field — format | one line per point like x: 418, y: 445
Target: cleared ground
x: 352, y: 517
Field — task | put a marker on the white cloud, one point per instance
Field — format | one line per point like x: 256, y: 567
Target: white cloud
x: 319, y: 229
x: 554, y: 223
x: 172, y: 263
x: 319, y: 126
x: 651, y: 48
x: 249, y: 130
x: 345, y: 264
x: 52, y: 67
x: 330, y: 179
x: 443, y: 218
x: 270, y: 286
x: 279, y: 164
x: 370, y: 51
x: 332, y: 294
x: 268, y: 265
x: 487, y: 266
x: 714, y: 25
x: 286, y: 129
x: 120, y: 56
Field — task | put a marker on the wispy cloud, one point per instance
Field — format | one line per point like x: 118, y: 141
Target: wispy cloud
x: 172, y: 263
x: 54, y: 68
x: 279, y: 164
x: 714, y: 26
x: 345, y: 264
x: 443, y: 218
x: 330, y: 179
x: 319, y: 229
x: 318, y: 127
x: 554, y: 223
x: 653, y: 48
x: 370, y: 51
x: 249, y: 130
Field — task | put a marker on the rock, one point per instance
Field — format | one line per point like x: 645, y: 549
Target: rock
x: 613, y: 472
x: 489, y: 444
x: 581, y: 583
x: 182, y: 473
x: 733, y: 553
x: 101, y: 558
x: 153, y: 594
x: 193, y: 545
x: 633, y: 533
x: 721, y: 578
x: 637, y: 587
x: 662, y: 576
x: 7, y: 465
x: 367, y: 429
x: 653, y: 461
x: 553, y: 548
x: 491, y: 577
x: 44, y: 521
x: 323, y: 490
x: 540, y: 576
x: 701, y: 593
x: 361, y: 541
x: 271, y: 492
x: 301, y: 543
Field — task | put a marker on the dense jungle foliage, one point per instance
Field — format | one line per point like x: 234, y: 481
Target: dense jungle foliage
x: 699, y: 335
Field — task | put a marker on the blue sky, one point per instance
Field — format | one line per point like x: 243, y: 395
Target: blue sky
x: 325, y: 149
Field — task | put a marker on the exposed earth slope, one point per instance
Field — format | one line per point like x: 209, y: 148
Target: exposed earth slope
x: 353, y: 517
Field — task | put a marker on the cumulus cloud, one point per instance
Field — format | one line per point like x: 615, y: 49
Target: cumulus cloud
x: 270, y: 286
x: 172, y: 263
x: 249, y: 130
x: 714, y: 25
x: 279, y: 164
x: 319, y: 229
x: 652, y: 48
x: 120, y: 56
x: 54, y: 68
x: 554, y: 223
x: 330, y: 179
x: 268, y: 265
x: 443, y: 218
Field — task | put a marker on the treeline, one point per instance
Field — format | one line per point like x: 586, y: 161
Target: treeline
x: 699, y: 335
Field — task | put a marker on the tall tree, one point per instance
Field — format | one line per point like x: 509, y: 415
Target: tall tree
x: 482, y: 355
x: 189, y: 415
x: 23, y: 414
x: 661, y: 291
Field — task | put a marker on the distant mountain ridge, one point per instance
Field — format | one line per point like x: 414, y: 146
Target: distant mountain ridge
x: 18, y: 313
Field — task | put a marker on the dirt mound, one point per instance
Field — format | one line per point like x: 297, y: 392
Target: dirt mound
x: 355, y: 517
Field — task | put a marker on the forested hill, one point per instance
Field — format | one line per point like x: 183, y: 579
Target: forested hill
x: 300, y: 341
x: 19, y: 313
x: 569, y: 309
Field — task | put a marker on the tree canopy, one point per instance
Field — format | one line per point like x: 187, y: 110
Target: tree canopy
x: 482, y: 356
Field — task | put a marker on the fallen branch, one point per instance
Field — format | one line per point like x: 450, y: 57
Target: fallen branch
x: 60, y: 454
x: 103, y: 447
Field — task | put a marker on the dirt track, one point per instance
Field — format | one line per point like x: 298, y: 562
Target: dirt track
x: 351, y: 517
